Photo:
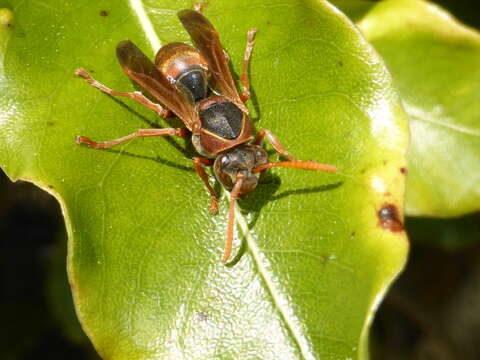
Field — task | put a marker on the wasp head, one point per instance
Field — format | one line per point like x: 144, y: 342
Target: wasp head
x: 240, y: 161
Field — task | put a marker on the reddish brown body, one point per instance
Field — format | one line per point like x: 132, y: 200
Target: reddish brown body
x: 211, y: 143
x: 195, y: 84
x: 175, y: 58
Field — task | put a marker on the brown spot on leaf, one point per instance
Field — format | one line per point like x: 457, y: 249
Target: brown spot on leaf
x: 103, y: 13
x: 50, y: 123
x: 390, y: 218
x: 404, y: 170
x: 340, y: 63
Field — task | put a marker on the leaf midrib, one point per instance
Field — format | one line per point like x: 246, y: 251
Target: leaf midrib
x: 276, y: 295
x: 423, y: 116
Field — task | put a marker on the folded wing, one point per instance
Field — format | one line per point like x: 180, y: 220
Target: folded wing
x: 141, y: 69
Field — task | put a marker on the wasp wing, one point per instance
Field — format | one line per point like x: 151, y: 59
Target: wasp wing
x: 207, y: 41
x: 141, y: 69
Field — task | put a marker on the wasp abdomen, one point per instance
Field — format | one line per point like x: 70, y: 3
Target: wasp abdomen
x: 224, y: 119
x: 185, y: 68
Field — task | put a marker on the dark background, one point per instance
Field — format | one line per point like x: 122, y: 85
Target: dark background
x: 431, y: 312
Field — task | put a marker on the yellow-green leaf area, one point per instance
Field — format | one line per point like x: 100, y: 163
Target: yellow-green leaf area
x: 434, y: 61
x: 314, y: 252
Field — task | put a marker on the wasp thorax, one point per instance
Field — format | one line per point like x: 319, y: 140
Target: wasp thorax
x: 186, y: 68
x: 240, y: 160
x: 221, y: 117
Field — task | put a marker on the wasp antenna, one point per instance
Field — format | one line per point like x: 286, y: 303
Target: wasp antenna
x: 306, y: 165
x: 231, y: 219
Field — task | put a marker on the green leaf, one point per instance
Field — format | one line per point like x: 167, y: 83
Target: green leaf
x: 6, y: 27
x: 315, y: 252
x: 434, y: 61
x: 59, y: 296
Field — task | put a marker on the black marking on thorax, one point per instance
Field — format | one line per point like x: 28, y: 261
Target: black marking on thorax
x: 193, y: 80
x: 224, y: 119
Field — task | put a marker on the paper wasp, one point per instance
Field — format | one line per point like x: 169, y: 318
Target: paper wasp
x: 195, y: 84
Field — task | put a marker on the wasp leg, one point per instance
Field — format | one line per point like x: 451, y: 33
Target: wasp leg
x: 136, y: 95
x: 234, y: 195
x: 139, y: 133
x: 246, y: 61
x: 297, y: 164
x: 199, y: 164
x: 274, y: 142
x: 293, y: 163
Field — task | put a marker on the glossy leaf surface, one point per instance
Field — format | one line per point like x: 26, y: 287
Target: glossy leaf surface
x: 434, y: 61
x: 314, y: 251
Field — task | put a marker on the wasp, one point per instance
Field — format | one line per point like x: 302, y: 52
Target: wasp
x: 195, y: 84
